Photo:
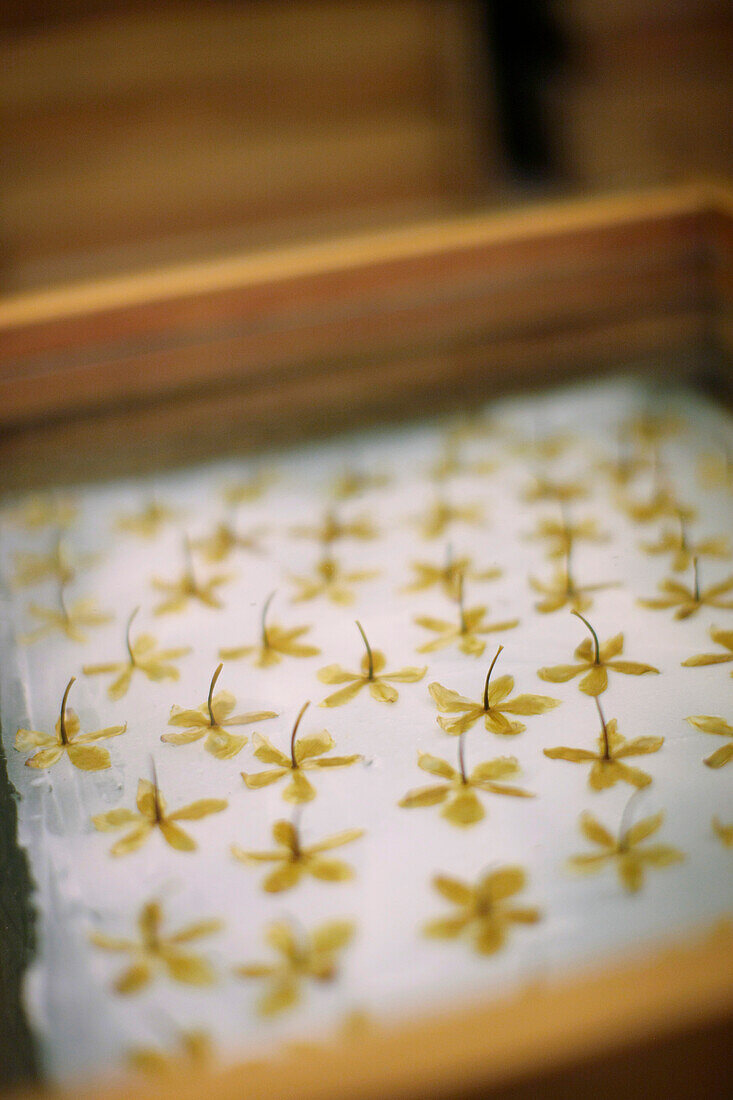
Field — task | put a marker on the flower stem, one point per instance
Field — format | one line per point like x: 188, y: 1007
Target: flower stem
x: 370, y: 658
x: 156, y: 793
x: 62, y: 716
x: 604, y: 728
x: 212, y: 685
x: 127, y: 636
x: 265, y: 609
x: 301, y: 712
x: 488, y: 678
x: 696, y: 580
x: 596, y: 645
x: 461, y: 758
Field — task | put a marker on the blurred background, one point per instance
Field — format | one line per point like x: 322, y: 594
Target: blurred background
x: 139, y: 133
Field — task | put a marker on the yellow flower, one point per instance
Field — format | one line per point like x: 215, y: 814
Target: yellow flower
x: 563, y: 591
x: 628, y: 853
x: 561, y: 535
x: 675, y: 541
x: 720, y: 637
x: 596, y: 659
x: 242, y: 492
x: 194, y: 1050
x: 153, y: 952
x: 457, y: 795
x: 607, y: 769
x: 143, y: 656
x: 209, y: 719
x: 624, y: 469
x: 148, y: 521
x: 82, y: 754
x: 152, y: 814
x: 352, y: 483
x: 60, y: 565
x: 331, y: 581
x: 451, y: 463
x: 310, y: 957
x: 713, y: 723
x: 303, y: 753
x: 689, y: 600
x: 484, y: 913
x: 466, y: 632
x: 219, y: 545
x: 547, y: 449
x: 43, y: 510
x: 544, y: 488
x: 492, y: 707
x: 648, y: 429
x: 448, y: 576
x: 276, y: 642
x: 371, y: 673
x: 179, y: 592
x: 71, y: 620
x: 660, y: 505
x: 440, y: 515
x: 294, y: 860
x: 724, y: 832
x: 332, y: 529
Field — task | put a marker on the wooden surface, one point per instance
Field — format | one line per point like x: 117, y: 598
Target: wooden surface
x: 269, y: 346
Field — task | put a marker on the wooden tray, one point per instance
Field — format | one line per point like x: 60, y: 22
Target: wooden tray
x: 143, y: 372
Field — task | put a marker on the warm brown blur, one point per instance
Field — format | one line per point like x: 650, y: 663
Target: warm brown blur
x: 146, y: 133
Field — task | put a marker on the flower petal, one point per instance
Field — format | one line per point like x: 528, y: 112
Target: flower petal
x: 315, y: 744
x: 45, y: 758
x: 530, y: 704
x: 409, y: 675
x: 454, y: 890
x: 281, y: 995
x: 660, y: 855
x: 135, y: 977
x: 201, y: 808
x: 449, y: 701
x: 223, y: 745
x: 332, y: 936
x: 490, y: 937
x: 631, y: 668
x: 503, y: 883
x: 424, y: 796
x: 383, y: 692
x: 338, y: 698
x: 196, y: 930
x: 88, y: 758
x: 268, y: 754
x: 595, y: 681
x: 176, y: 837
x: 114, y: 819
x: 283, y: 877
x: 436, y: 766
x: 445, y: 928
x: 186, y: 737
x: 98, y: 735
x: 336, y: 841
x: 330, y: 870
x: 189, y: 969
x: 499, y: 768
x: 642, y: 746
x: 32, y: 739
x: 255, y: 780
x: 575, y: 756
x: 595, y: 832
x: 132, y: 841
x: 711, y: 723
x: 559, y: 674
x: 464, y: 809
x: 718, y: 758
x: 299, y: 789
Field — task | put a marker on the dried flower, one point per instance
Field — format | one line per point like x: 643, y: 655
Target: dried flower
x: 451, y: 463
x: 371, y: 673
x: 82, y: 754
x: 60, y: 565
x: 312, y: 957
x: 492, y: 707
x: 179, y: 592
x: 294, y: 860
x: 563, y: 591
x: 304, y: 753
x: 447, y: 576
x: 689, y: 600
x: 243, y: 492
x: 660, y: 505
x: 715, y: 471
x: 628, y: 853
x: 331, y: 581
x: 484, y: 914
x: 218, y: 546
x: 677, y: 542
x: 720, y: 637
x: 545, y: 488
x: 440, y: 515
x: 209, y: 719
x: 142, y: 655
x: 607, y: 768
x: 153, y: 952
x: 43, y: 510
x: 649, y: 429
x: 71, y: 619
x: 713, y: 723
x: 561, y: 534
x: 194, y: 1050
x: 275, y: 643
x: 148, y: 521
x: 457, y: 795
x: 723, y: 832
x: 545, y: 449
x: 152, y: 814
x: 353, y: 483
x: 465, y: 632
x: 332, y: 529
x: 596, y: 659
